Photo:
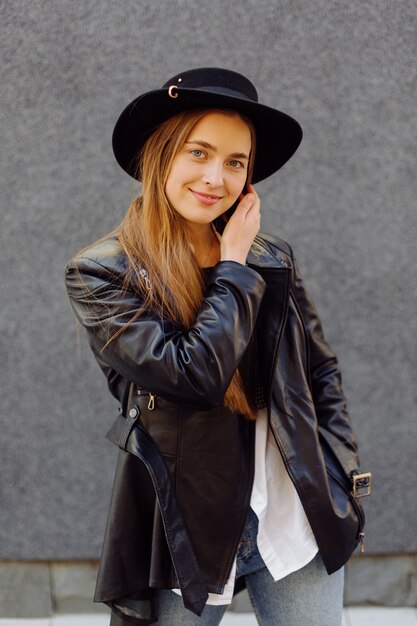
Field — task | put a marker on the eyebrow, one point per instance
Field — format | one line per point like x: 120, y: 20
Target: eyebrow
x: 205, y: 144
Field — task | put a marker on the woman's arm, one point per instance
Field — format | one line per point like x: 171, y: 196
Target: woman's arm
x: 193, y: 367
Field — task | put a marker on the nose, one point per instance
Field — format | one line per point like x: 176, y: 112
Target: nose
x: 213, y: 173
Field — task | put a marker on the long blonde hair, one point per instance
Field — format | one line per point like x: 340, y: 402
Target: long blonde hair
x: 155, y: 238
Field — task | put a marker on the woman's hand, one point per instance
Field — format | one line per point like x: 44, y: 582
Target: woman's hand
x: 241, y: 228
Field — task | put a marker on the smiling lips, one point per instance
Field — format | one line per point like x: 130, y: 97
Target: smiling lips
x: 206, y: 198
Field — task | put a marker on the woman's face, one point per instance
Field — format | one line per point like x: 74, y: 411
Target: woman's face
x: 209, y: 172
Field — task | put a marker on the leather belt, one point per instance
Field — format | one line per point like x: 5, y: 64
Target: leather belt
x: 133, y: 438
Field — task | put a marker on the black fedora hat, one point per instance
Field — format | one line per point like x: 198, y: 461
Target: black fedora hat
x: 277, y: 134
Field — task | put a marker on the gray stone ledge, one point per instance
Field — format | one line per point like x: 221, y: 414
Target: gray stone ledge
x: 72, y: 587
x: 382, y: 580
x: 25, y: 589
x: 39, y: 589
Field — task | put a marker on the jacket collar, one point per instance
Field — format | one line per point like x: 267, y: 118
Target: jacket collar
x: 262, y: 254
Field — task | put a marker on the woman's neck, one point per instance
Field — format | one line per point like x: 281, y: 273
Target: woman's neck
x: 205, y: 244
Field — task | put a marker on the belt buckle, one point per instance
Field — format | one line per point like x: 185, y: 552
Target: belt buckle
x: 362, y: 486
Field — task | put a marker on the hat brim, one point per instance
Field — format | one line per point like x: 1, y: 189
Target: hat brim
x: 277, y: 134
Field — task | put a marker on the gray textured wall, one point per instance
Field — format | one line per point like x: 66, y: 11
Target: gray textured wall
x: 346, y: 70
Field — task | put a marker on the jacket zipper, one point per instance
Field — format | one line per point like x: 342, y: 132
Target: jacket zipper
x: 150, y: 395
x: 145, y: 276
x: 307, y: 347
x: 274, y: 358
x: 269, y: 392
x: 361, y: 534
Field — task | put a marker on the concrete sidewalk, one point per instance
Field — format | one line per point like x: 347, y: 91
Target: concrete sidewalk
x: 353, y: 616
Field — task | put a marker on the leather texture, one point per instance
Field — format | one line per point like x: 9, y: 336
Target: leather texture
x: 208, y: 451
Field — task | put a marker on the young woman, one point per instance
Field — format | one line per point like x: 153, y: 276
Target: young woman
x: 237, y: 463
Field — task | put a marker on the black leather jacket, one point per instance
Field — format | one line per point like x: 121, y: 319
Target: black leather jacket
x: 185, y: 469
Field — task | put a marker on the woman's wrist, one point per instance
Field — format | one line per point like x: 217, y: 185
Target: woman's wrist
x: 233, y: 257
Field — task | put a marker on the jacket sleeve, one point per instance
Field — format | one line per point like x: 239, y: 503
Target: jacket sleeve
x: 325, y: 377
x: 193, y: 367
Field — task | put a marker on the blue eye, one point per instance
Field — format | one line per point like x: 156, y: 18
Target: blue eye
x: 236, y: 164
x: 197, y: 153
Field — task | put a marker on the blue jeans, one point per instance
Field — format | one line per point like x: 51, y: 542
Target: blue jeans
x: 308, y: 597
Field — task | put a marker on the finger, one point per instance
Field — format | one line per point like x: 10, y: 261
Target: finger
x: 247, y: 201
x: 252, y: 190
